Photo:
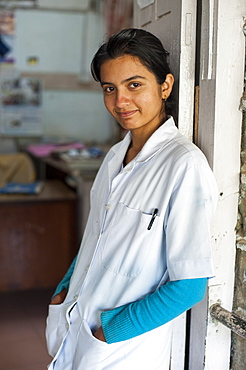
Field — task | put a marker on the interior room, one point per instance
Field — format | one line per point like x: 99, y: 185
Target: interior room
x: 54, y: 133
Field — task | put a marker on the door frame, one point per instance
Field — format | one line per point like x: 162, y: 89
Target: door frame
x: 219, y: 137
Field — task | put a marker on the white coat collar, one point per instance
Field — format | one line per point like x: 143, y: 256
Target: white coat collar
x: 158, y: 139
x: 156, y: 142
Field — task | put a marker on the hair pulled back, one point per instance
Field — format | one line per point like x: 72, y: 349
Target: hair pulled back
x: 138, y: 43
x: 141, y: 44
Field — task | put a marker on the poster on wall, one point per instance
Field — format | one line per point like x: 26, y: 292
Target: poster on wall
x: 7, y: 36
x: 20, y: 106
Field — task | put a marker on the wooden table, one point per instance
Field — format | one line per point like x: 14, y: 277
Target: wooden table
x: 38, y: 237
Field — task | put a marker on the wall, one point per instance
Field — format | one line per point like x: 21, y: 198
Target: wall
x: 78, y: 114
x: 63, y: 43
x: 238, y: 355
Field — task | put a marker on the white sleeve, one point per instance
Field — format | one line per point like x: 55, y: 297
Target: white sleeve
x: 187, y: 228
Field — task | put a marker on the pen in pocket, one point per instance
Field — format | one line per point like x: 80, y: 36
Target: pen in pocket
x: 154, y: 214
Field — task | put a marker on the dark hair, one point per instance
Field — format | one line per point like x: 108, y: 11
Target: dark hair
x: 138, y: 43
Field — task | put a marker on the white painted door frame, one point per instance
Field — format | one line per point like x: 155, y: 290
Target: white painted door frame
x: 219, y: 136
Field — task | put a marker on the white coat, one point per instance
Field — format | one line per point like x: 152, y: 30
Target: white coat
x: 121, y: 261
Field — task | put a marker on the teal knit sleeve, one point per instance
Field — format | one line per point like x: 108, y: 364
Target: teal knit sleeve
x: 154, y: 310
x: 64, y: 283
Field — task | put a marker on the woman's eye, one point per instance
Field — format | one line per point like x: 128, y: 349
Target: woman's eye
x: 134, y: 85
x: 108, y: 89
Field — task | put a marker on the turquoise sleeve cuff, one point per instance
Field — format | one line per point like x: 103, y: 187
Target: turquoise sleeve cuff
x: 155, y: 309
x: 64, y: 283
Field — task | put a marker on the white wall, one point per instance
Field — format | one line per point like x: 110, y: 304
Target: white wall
x: 54, y: 37
x: 63, y: 42
x: 76, y: 114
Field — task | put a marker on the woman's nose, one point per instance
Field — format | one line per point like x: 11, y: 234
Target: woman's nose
x: 122, y: 98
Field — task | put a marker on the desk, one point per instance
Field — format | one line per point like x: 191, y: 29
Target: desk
x: 38, y: 237
x: 83, y: 173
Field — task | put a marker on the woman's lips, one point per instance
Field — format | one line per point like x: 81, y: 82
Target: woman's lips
x: 126, y: 114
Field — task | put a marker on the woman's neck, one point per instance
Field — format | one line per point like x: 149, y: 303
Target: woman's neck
x: 139, y: 138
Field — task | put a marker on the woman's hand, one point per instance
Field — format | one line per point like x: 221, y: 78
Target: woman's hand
x: 99, y: 335
x: 59, y: 298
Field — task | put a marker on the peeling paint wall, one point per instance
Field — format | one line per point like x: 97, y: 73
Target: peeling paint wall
x: 238, y: 351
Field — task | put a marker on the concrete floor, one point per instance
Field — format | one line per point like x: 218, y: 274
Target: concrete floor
x: 22, y: 330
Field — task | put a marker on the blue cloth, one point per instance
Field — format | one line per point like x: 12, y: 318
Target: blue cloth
x: 154, y: 310
x: 64, y: 283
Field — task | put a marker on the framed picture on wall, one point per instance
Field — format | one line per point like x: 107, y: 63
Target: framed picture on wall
x: 20, y: 106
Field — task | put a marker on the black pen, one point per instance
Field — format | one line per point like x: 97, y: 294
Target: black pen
x: 154, y: 214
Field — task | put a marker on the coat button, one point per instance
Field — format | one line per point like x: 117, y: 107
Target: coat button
x: 67, y: 326
x: 76, y: 297
x: 87, y: 268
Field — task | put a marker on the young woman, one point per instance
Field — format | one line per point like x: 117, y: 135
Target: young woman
x: 145, y: 256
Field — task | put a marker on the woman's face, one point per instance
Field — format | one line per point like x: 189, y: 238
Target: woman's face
x: 132, y: 94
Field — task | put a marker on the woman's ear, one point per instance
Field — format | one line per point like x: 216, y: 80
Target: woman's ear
x: 167, y: 86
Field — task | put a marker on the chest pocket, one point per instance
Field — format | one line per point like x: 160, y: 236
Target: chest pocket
x: 126, y: 242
